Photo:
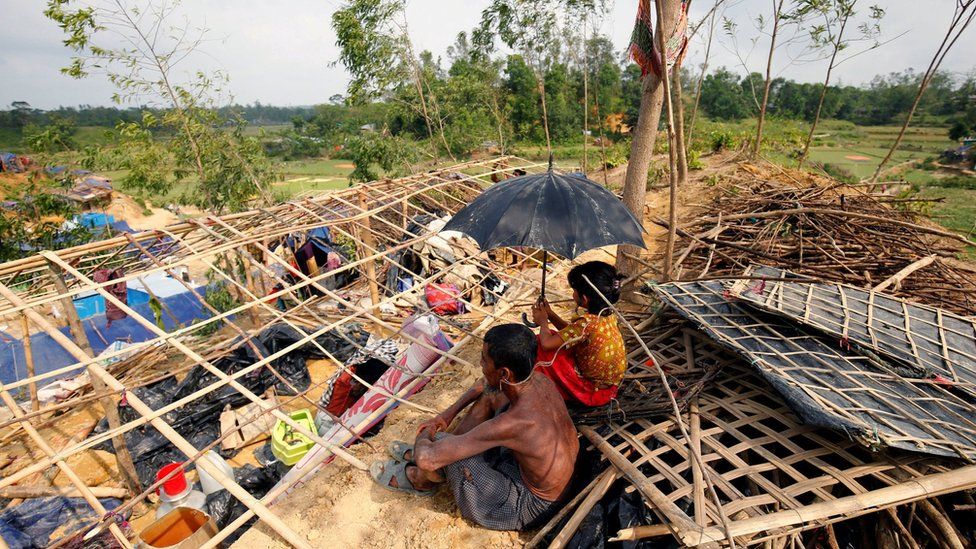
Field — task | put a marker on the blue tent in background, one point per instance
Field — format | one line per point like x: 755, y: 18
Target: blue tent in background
x: 49, y: 355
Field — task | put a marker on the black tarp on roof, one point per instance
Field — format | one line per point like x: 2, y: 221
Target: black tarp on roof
x: 927, y: 339
x: 829, y: 386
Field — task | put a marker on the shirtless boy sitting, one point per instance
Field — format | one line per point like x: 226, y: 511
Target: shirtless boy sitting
x: 510, y: 460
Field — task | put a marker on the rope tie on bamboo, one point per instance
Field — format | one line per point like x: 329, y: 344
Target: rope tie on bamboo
x: 123, y: 399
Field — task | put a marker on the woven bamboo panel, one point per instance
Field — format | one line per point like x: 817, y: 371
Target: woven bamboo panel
x: 687, y: 358
x: 763, y: 462
x: 828, y: 386
x: 930, y: 340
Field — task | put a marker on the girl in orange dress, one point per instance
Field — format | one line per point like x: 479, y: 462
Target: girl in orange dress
x: 584, y: 357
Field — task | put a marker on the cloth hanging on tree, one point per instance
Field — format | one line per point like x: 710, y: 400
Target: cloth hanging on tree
x: 643, y: 47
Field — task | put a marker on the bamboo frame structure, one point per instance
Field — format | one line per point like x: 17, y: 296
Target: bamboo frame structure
x: 374, y: 217
x: 776, y: 476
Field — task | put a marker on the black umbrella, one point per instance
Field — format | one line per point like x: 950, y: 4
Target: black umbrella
x: 566, y: 214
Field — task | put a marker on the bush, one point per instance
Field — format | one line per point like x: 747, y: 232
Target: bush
x: 840, y: 173
x: 720, y: 140
x: 655, y: 174
x: 694, y: 160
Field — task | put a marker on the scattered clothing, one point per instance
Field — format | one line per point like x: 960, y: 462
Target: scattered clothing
x: 118, y: 290
x: 342, y: 390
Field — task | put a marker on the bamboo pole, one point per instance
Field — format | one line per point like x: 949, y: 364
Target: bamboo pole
x: 70, y: 312
x: 27, y: 492
x: 595, y: 495
x: 193, y: 355
x: 60, y: 461
x: 672, y: 146
x: 29, y: 359
x: 313, y: 466
x: 111, y: 411
x: 370, y: 243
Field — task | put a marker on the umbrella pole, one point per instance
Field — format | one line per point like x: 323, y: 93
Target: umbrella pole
x: 545, y: 265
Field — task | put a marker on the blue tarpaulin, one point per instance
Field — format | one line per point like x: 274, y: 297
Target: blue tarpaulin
x: 49, y: 355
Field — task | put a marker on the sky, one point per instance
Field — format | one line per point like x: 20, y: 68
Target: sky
x: 284, y: 53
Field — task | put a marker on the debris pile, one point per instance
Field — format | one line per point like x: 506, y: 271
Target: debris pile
x: 827, y: 231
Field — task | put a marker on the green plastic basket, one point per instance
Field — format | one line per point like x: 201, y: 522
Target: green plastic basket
x: 288, y: 445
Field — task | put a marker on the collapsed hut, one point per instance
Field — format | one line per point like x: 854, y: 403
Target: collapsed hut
x: 806, y: 382
x: 156, y: 389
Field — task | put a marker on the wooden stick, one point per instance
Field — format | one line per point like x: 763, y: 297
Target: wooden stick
x: 59, y: 461
x: 902, y: 274
x: 207, y: 365
x: 27, y: 492
x: 942, y: 525
x: 839, y: 213
x: 672, y: 145
x: 370, y: 243
x: 599, y: 490
x: 641, y: 532
x: 74, y: 322
x: 111, y: 411
x: 565, y: 510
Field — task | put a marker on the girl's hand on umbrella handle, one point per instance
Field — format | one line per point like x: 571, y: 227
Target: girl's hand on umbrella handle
x: 540, y: 314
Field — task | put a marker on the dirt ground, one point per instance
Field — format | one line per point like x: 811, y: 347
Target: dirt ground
x: 125, y: 208
x: 344, y: 508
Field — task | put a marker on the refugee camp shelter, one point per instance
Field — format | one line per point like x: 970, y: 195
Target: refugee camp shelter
x: 263, y: 316
x: 89, y: 191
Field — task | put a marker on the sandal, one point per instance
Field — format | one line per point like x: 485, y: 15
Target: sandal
x: 398, y: 449
x: 384, y: 471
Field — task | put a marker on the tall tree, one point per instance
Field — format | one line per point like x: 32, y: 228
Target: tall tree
x: 644, y: 137
x: 782, y: 29
x: 833, y: 17
x: 229, y: 167
x: 531, y: 28
x: 375, y: 47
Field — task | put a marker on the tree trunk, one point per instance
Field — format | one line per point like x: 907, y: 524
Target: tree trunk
x: 823, y: 93
x: 673, y: 149
x: 679, y: 128
x: 642, y: 146
x: 778, y: 7
x: 586, y: 95
x: 545, y: 113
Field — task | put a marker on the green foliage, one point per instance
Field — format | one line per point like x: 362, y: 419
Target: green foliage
x: 694, y: 160
x: 369, y: 151
x: 33, y: 221
x: 839, y: 173
x: 954, y: 182
x: 56, y: 136
x: 219, y: 297
x: 721, y: 140
x: 228, y: 168
x: 370, y: 48
x: 656, y: 174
